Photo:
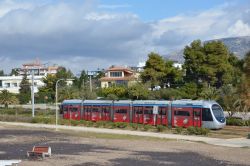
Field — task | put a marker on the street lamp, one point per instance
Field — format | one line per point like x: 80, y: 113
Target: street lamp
x: 57, y: 98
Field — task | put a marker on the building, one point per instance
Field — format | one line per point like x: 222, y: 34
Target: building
x: 12, y: 83
x: 38, y: 68
x: 117, y: 75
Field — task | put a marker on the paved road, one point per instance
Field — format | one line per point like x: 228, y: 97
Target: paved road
x: 236, y: 142
x: 65, y: 151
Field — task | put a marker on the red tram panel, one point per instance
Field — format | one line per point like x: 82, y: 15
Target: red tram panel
x: 121, y: 113
x: 182, y: 116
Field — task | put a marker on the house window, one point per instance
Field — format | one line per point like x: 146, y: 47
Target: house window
x: 116, y: 74
x: 121, y: 82
x: 7, y: 85
x: 15, y: 84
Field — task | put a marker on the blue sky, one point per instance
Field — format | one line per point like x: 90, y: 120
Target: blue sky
x: 91, y: 34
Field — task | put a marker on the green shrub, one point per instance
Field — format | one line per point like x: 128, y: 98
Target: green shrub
x: 160, y: 128
x: 178, y: 130
x: 147, y: 127
x: 99, y: 124
x: 89, y: 123
x: 248, y: 136
x: 247, y: 123
x: 121, y: 125
x: 74, y: 122
x: 197, y: 131
x: 235, y: 122
x: 134, y: 126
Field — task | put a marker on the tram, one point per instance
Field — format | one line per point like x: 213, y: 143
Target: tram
x: 177, y: 113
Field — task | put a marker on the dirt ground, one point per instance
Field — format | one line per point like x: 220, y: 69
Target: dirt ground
x: 74, y: 148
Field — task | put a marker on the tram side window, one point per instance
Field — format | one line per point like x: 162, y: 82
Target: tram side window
x: 65, y: 108
x: 73, y: 109
x: 87, y: 108
x: 106, y: 109
x: 162, y: 110
x: 181, y: 113
x: 121, y: 111
x: 95, y: 109
x: 148, y: 110
x: 206, y: 115
x: 138, y: 110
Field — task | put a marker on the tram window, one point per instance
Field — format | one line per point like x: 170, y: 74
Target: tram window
x: 206, y: 115
x: 197, y: 113
x: 148, y: 110
x: 121, y: 111
x: 162, y: 110
x: 73, y: 109
x: 138, y: 110
x: 106, y: 109
x: 181, y: 113
x: 95, y: 109
x: 65, y: 109
x: 88, y: 109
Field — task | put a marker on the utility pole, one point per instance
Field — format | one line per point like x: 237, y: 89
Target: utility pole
x: 90, y: 83
x: 32, y: 95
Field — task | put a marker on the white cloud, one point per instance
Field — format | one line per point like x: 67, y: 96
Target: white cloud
x: 239, y: 29
x: 81, y: 36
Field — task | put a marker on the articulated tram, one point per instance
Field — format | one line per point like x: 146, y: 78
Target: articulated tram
x: 177, y: 113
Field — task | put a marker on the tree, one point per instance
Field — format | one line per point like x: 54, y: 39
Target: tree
x: 50, y: 82
x: 24, y: 91
x: 209, y: 63
x: 153, y: 70
x: 82, y: 80
x: 138, y: 91
x: 7, y: 98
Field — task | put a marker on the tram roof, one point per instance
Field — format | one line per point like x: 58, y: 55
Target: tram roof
x: 97, y: 101
x: 152, y: 102
x: 72, y: 101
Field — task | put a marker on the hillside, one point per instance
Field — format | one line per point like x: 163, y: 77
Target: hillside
x: 238, y: 45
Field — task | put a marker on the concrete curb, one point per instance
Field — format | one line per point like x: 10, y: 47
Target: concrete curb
x: 237, y: 142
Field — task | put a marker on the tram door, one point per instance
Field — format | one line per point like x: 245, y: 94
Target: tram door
x: 96, y: 113
x: 137, y: 114
x: 162, y: 116
x: 106, y: 113
x: 197, y: 117
x: 87, y: 112
x: 74, y: 112
x: 148, y: 116
x: 65, y: 112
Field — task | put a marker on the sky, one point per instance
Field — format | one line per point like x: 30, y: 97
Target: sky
x: 92, y: 34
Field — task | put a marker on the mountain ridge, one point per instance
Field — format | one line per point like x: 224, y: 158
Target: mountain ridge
x: 237, y: 45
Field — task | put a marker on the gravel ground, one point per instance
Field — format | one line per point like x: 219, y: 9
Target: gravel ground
x: 72, y: 149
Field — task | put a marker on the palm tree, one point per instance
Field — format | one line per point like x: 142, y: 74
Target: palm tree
x: 7, y: 98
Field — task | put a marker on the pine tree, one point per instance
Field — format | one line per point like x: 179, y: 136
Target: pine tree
x: 24, y: 91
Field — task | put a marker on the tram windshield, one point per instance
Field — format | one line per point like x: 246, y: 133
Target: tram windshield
x: 218, y: 113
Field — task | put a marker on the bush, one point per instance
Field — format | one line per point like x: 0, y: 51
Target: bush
x: 197, y: 131
x: 160, y: 128
x: 74, y: 122
x: 89, y: 123
x: 247, y: 123
x: 134, y: 126
x: 99, y: 124
x: 178, y: 130
x: 147, y: 127
x: 248, y: 136
x: 110, y: 125
x: 235, y: 122
x: 121, y: 125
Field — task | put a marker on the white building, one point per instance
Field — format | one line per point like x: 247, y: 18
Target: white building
x: 12, y: 83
